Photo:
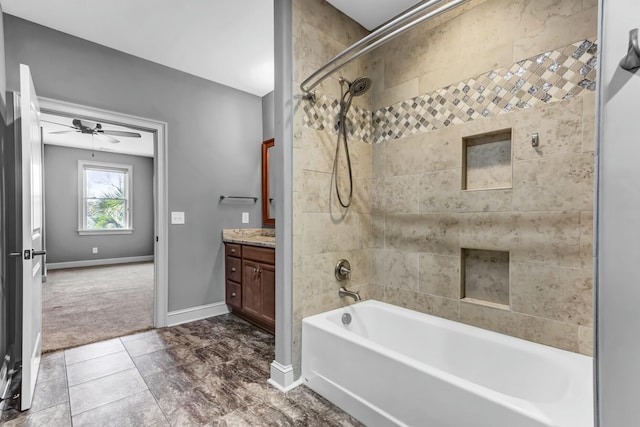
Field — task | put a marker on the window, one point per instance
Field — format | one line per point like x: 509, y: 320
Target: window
x: 105, y: 198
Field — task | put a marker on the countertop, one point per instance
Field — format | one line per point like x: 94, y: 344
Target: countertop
x: 265, y: 237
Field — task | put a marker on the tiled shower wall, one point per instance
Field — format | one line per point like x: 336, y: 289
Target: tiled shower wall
x: 410, y: 221
x: 527, y: 66
x: 323, y: 231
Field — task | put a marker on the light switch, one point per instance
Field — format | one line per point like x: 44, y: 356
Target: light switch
x: 177, y: 217
x: 245, y: 217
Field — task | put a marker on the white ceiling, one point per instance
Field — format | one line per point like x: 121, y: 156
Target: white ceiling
x: 372, y: 13
x: 142, y: 146
x: 229, y: 42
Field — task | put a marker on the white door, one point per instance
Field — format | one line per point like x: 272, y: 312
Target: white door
x: 32, y: 251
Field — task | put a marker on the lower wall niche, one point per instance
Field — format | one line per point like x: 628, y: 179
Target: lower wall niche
x: 485, y: 276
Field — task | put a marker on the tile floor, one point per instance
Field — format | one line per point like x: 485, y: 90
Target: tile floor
x: 211, y: 372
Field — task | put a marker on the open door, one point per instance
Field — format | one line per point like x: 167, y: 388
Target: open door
x: 30, y: 143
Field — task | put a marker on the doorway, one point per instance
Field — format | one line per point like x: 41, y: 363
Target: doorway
x: 81, y: 296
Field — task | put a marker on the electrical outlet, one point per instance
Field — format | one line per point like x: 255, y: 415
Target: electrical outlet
x: 245, y: 217
x: 94, y: 250
x: 177, y: 217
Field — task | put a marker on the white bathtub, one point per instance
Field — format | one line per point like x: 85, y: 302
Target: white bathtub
x: 393, y: 366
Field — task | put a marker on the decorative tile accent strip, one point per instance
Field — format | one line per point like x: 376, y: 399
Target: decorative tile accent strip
x: 323, y: 114
x: 549, y: 77
x: 552, y: 76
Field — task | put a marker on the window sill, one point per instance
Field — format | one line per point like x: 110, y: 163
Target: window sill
x: 105, y: 231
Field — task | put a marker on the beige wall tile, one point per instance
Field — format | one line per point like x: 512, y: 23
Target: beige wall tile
x: 443, y: 44
x: 398, y: 194
x: 536, y: 329
x: 328, y: 19
x: 395, y: 269
x: 438, y: 306
x: 378, y: 160
x: 558, y: 125
x: 557, y: 30
x: 429, y: 233
x: 375, y: 292
x: 440, y: 275
x: 440, y: 191
x: 427, y: 152
x: 497, y: 200
x: 554, y: 184
x: 377, y: 231
x: 558, y: 293
x: 316, y: 192
x: 486, y: 275
x: 297, y: 217
x: 589, y: 122
x: 317, y: 149
x: 586, y: 340
x: 331, y: 233
x: 544, y: 237
x: 586, y: 240
x: 400, y: 297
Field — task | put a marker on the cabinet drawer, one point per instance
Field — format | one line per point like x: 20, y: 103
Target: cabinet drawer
x: 257, y: 253
x: 233, y: 269
x: 232, y: 249
x: 234, y: 294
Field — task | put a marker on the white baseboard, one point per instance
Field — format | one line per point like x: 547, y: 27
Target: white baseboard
x: 97, y: 262
x: 196, y: 313
x: 282, y: 377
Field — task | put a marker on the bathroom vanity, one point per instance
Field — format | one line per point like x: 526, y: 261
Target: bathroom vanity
x: 250, y: 275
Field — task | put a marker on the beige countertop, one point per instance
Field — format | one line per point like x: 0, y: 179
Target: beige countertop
x: 250, y: 236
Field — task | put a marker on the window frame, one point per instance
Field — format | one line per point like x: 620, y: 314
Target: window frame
x: 84, y: 165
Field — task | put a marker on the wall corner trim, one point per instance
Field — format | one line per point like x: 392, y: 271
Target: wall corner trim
x: 196, y: 313
x: 282, y: 377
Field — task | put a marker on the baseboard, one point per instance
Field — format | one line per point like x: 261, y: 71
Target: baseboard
x: 196, y: 313
x: 282, y: 377
x: 97, y: 262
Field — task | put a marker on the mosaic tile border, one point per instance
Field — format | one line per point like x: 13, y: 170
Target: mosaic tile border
x: 323, y: 114
x: 552, y: 76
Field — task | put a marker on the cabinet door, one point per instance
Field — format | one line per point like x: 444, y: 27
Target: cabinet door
x: 251, y: 288
x: 268, y: 276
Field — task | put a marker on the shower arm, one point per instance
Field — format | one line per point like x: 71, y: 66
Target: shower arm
x: 398, y: 26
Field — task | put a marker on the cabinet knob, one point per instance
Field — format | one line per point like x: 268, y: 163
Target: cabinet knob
x: 233, y: 294
x: 233, y: 251
x: 233, y: 269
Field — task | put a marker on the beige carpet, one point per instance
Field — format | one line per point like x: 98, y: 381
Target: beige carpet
x: 85, y: 305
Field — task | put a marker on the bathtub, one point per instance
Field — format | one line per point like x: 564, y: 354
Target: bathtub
x: 396, y: 367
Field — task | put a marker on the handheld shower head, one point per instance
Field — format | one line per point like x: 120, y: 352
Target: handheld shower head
x: 359, y: 86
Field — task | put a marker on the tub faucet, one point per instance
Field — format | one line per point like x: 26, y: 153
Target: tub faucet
x: 344, y: 292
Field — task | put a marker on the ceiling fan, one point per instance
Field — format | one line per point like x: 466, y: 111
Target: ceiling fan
x: 91, y: 128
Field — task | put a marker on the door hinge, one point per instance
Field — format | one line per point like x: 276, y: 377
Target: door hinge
x: 156, y: 238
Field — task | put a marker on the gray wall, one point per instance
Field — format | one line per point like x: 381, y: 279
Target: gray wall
x: 268, y: 116
x: 618, y: 293
x: 64, y: 244
x: 214, y: 140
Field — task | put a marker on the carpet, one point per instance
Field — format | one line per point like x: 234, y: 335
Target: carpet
x: 85, y: 305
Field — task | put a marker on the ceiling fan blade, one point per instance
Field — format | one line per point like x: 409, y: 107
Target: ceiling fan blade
x: 106, y: 138
x: 120, y: 133
x: 63, y: 131
x: 59, y: 124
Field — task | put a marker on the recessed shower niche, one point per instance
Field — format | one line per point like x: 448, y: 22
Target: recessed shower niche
x: 486, y: 161
x: 485, y: 276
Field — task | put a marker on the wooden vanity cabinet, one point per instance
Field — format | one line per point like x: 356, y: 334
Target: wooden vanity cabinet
x: 251, y: 282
